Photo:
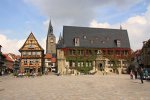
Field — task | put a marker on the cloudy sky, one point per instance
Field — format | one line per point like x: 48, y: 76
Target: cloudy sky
x: 20, y: 17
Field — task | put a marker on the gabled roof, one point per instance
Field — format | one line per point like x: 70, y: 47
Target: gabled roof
x: 34, y: 39
x: 94, y: 37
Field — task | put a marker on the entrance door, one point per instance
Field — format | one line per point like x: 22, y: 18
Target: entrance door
x: 100, y: 65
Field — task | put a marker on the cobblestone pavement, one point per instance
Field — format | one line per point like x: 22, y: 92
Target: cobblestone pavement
x: 84, y: 87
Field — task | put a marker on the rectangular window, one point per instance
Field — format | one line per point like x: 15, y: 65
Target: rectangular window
x: 90, y: 52
x: 87, y: 64
x: 74, y: 52
x: 70, y: 52
x: 36, y: 60
x: 29, y: 53
x: 82, y: 52
x: 81, y: 64
x: 87, y: 52
x: 25, y: 61
x: 78, y: 64
x: 104, y: 52
x: 77, y: 41
x: 117, y: 52
x: 118, y: 43
x: 24, y: 53
x: 110, y: 52
x: 31, y: 61
x: 125, y: 52
x: 73, y: 64
x: 90, y: 64
x: 33, y: 53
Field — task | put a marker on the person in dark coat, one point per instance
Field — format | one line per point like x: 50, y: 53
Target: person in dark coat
x: 135, y: 73
x: 141, y: 72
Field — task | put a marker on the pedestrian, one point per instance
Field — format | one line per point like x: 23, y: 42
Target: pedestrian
x: 2, y: 72
x: 135, y: 73
x: 131, y: 74
x: 141, y: 74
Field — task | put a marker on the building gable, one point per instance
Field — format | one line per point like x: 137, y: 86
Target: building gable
x: 31, y: 44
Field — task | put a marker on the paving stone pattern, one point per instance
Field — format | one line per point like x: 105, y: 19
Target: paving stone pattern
x: 83, y: 87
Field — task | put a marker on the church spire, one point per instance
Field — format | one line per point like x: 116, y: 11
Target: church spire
x: 50, y: 28
x: 60, y: 37
x: 120, y: 27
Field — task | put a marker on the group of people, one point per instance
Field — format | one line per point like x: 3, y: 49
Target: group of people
x: 141, y: 71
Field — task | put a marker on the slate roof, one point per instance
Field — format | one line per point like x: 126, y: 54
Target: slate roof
x: 94, y: 37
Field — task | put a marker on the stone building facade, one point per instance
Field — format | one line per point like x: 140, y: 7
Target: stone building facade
x: 50, y: 41
x: 145, y: 54
x: 97, y: 49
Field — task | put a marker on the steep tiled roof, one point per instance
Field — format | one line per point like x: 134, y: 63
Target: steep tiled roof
x: 94, y: 37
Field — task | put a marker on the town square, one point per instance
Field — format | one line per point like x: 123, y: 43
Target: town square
x: 75, y: 50
x: 83, y: 87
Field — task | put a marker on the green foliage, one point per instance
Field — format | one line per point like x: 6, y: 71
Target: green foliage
x: 84, y: 69
x: 15, y: 74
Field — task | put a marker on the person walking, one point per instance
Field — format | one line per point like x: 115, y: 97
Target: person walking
x: 135, y: 73
x: 131, y: 74
x: 141, y: 74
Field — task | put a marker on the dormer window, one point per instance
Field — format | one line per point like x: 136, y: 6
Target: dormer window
x: 77, y: 41
x: 84, y: 37
x: 118, y: 43
x: 103, y: 42
x: 91, y: 41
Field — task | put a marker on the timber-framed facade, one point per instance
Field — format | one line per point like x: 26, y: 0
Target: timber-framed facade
x: 32, y: 56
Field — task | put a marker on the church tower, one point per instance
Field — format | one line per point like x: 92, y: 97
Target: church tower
x: 51, y: 40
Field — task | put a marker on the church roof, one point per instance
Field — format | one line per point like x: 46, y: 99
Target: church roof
x: 94, y: 37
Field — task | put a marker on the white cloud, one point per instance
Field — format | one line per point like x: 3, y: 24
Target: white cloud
x: 10, y: 46
x: 137, y: 27
x: 76, y: 12
x: 94, y: 23
x: 13, y: 45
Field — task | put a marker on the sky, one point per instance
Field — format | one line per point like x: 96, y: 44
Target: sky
x: 18, y: 18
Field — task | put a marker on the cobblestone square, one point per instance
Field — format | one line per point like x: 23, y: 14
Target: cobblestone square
x: 83, y: 87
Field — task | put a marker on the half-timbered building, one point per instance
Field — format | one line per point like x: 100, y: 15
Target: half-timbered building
x: 32, y: 56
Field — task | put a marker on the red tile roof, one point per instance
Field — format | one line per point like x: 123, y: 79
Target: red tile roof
x: 48, y: 56
x: 8, y: 58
